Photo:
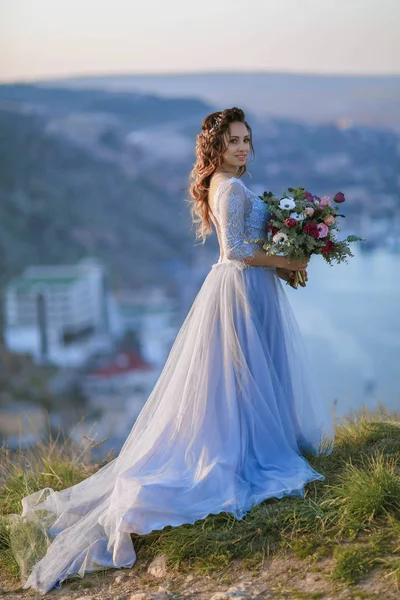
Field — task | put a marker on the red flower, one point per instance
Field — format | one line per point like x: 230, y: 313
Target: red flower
x: 329, y: 247
x: 308, y: 196
x: 311, y: 229
x: 339, y: 197
x: 273, y: 229
x: 290, y: 222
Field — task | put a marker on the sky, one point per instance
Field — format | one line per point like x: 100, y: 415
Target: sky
x: 45, y: 39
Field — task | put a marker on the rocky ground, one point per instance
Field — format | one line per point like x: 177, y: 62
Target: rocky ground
x: 278, y: 578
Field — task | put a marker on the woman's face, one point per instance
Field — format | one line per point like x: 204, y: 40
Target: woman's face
x: 238, y: 146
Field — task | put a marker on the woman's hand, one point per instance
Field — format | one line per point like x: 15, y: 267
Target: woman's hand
x: 292, y: 264
x: 283, y: 273
x: 290, y: 276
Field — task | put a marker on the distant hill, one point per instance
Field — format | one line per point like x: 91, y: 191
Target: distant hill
x: 69, y: 188
x: 92, y: 172
x: 366, y: 100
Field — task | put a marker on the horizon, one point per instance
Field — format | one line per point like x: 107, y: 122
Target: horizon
x: 38, y: 42
x: 73, y: 76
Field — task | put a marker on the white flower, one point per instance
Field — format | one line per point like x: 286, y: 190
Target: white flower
x: 298, y: 216
x: 287, y: 203
x: 279, y: 237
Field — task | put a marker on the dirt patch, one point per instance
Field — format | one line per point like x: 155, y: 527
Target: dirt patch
x: 283, y: 578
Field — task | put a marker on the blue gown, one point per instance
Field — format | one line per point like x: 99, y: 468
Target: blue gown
x: 223, y: 429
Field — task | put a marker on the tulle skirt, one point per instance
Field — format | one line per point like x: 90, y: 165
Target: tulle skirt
x: 223, y: 429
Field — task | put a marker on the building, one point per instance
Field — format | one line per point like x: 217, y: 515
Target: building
x: 59, y: 314
x: 117, y: 387
x: 121, y: 375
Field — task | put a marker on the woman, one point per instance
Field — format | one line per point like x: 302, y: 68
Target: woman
x: 234, y: 406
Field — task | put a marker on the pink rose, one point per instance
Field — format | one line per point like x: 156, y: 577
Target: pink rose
x: 329, y: 220
x: 325, y: 201
x: 309, y: 211
x: 323, y: 230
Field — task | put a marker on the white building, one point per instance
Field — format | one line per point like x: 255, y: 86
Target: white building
x: 59, y: 314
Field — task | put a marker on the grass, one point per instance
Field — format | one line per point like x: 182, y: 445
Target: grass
x: 353, y: 516
x: 57, y: 464
x: 354, y: 561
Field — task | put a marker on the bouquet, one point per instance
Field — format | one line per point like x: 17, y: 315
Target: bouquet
x: 303, y: 224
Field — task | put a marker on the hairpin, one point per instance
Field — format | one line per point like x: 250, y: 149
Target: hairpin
x: 214, y: 127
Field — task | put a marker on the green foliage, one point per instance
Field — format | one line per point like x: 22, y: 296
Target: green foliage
x: 355, y: 561
x: 366, y: 492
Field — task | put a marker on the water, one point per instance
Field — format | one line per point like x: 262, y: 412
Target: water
x: 349, y: 315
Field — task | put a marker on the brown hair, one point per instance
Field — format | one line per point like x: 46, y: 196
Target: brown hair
x: 210, y: 147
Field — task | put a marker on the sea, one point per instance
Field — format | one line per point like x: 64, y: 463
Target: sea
x: 349, y: 315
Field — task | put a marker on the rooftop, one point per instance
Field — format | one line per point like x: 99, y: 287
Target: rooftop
x: 125, y: 362
x: 26, y: 283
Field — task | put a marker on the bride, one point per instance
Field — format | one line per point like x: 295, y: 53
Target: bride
x: 233, y: 409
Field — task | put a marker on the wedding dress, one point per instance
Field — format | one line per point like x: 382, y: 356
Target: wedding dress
x: 223, y: 429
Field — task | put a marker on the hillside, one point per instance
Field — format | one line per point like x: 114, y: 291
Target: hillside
x: 342, y: 541
x: 315, y: 99
x: 92, y: 172
x: 60, y: 202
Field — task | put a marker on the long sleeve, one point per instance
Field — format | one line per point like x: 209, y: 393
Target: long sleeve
x: 232, y: 202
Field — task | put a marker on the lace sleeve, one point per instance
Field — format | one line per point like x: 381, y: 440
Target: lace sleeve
x: 231, y: 208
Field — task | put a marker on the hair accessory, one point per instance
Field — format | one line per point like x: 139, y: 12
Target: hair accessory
x: 214, y: 127
x: 216, y: 124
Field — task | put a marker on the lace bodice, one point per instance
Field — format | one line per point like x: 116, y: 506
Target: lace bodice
x: 239, y: 216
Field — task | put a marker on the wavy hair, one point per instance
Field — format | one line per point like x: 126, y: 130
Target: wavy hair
x: 209, y: 150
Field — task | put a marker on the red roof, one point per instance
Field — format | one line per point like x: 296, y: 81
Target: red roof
x: 125, y: 362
